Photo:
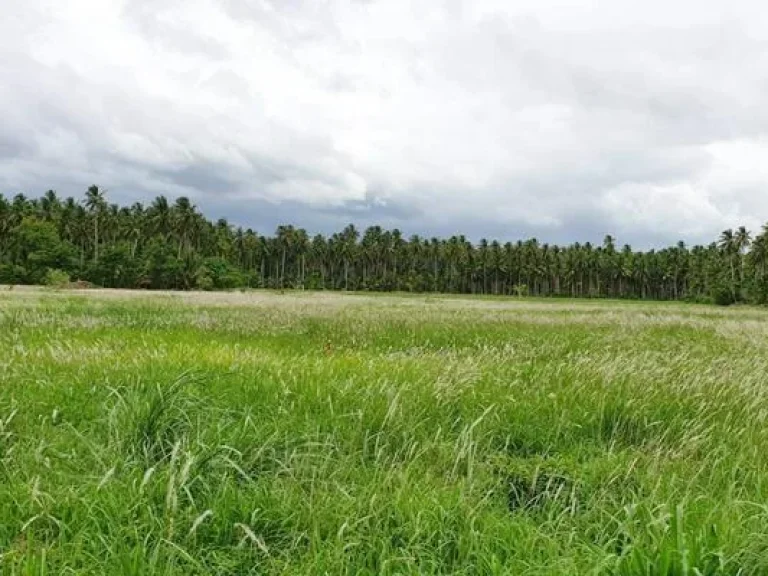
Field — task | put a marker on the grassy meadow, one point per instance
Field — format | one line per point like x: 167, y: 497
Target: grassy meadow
x: 257, y: 433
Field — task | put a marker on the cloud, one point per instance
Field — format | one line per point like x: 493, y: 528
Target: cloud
x: 564, y: 120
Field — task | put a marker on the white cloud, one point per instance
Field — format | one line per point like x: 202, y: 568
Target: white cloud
x: 560, y: 118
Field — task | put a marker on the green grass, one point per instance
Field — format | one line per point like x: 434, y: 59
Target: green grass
x: 327, y: 434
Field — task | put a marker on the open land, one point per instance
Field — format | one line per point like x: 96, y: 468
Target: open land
x: 318, y: 433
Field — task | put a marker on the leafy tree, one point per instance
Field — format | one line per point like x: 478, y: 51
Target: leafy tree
x: 37, y: 246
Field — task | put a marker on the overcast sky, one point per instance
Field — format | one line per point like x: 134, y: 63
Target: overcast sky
x: 560, y: 119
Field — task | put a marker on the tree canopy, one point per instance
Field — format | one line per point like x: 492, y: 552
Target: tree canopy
x: 173, y: 246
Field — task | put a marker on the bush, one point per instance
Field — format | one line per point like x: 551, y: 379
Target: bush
x: 116, y: 268
x: 723, y: 297
x: 56, y: 278
x: 520, y: 290
x: 12, y: 274
x: 221, y: 274
x: 203, y: 281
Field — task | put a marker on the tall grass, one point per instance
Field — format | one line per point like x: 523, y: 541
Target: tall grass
x: 353, y: 435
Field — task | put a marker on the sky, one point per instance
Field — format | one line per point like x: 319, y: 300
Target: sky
x: 564, y: 120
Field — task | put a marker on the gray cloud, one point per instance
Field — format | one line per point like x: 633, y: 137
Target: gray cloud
x: 168, y: 33
x: 564, y: 121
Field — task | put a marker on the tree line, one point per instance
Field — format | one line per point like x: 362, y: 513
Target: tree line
x: 173, y: 246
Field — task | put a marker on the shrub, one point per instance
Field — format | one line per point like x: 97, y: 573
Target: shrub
x: 722, y: 297
x: 11, y: 274
x: 520, y: 290
x: 221, y: 274
x: 203, y: 280
x: 56, y: 278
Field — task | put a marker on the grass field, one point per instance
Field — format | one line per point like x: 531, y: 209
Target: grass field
x: 331, y: 434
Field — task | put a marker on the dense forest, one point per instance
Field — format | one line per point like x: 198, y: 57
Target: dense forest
x: 50, y: 240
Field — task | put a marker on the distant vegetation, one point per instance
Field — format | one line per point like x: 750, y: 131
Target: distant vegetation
x: 173, y: 246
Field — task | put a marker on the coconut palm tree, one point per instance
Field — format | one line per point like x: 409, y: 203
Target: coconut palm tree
x: 138, y: 238
x: 96, y: 204
x: 160, y: 217
x: 184, y: 222
x: 730, y: 247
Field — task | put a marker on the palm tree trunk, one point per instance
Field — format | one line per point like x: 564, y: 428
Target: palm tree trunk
x: 346, y: 274
x: 96, y: 238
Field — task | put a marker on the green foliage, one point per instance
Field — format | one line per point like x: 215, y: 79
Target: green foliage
x: 219, y: 274
x: 37, y: 243
x: 722, y: 296
x: 203, y: 280
x: 12, y: 274
x: 173, y: 246
x: 163, y: 268
x: 56, y: 278
x: 116, y: 268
